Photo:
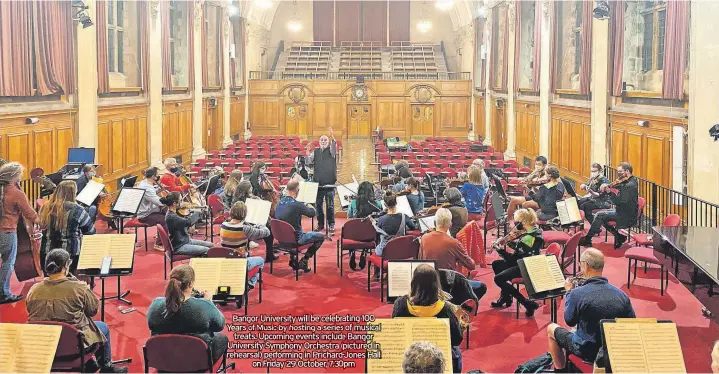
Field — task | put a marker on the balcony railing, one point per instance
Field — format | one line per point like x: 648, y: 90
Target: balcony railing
x: 344, y: 75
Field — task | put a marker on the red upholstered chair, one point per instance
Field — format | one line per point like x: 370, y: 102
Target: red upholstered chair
x: 286, y: 240
x: 136, y: 224
x: 173, y: 353
x: 217, y: 208
x: 488, y: 223
x: 642, y: 203
x: 170, y: 255
x: 71, y: 353
x: 224, y: 252
x: 556, y: 250
x: 517, y: 282
x: 399, y: 248
x: 645, y: 240
x: 569, y: 253
x: 551, y: 236
x: 647, y: 256
x: 357, y: 235
x: 578, y: 365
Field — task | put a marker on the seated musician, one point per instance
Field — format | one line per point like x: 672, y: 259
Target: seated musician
x: 64, y: 222
x: 474, y: 190
x: 584, y: 307
x: 392, y: 224
x: 479, y: 163
x: 171, y: 179
x: 258, y: 179
x: 151, y: 207
x: 594, y: 200
x: 178, y: 225
x: 447, y: 251
x: 181, y: 313
x: 88, y: 172
x: 536, y: 176
x: 62, y: 298
x: 415, y: 196
x: 242, y: 193
x: 548, y: 194
x: 427, y: 299
x: 460, y: 215
x: 291, y: 211
x: 362, y: 207
x: 528, y: 242
x: 13, y: 205
x: 228, y: 195
x: 423, y: 357
x: 401, y: 175
x: 235, y: 234
x: 625, y: 196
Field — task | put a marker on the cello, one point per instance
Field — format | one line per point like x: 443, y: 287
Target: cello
x: 27, y: 262
x: 272, y: 195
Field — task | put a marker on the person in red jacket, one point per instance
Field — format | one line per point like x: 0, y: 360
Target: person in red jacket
x: 170, y: 180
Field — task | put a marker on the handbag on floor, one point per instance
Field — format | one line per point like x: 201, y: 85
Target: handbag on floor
x: 536, y: 365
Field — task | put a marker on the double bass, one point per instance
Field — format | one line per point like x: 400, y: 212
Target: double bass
x: 27, y: 262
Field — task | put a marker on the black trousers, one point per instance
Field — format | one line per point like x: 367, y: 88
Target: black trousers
x: 601, y: 220
x: 504, y: 272
x: 269, y: 252
x: 588, y: 204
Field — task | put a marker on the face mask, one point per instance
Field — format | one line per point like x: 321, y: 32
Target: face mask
x: 519, y: 226
x: 594, y: 174
x: 91, y: 174
x: 174, y: 170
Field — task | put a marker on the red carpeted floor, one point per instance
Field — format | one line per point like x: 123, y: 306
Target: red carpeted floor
x: 499, y: 342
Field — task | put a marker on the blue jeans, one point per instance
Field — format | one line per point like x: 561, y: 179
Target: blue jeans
x: 194, y: 248
x: 104, y: 354
x: 92, y: 212
x: 316, y: 238
x: 479, y: 288
x: 253, y: 262
x: 456, y: 360
x: 8, y: 254
x: 329, y: 196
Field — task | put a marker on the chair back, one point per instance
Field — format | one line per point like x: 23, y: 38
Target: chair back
x: 491, y: 215
x: 70, y: 344
x: 642, y: 204
x: 216, y: 205
x: 571, y: 247
x: 177, y: 353
x: 672, y: 220
x: 165, y: 239
x: 283, y: 232
x: 401, y: 248
x: 556, y: 250
x: 221, y: 252
x: 360, y: 230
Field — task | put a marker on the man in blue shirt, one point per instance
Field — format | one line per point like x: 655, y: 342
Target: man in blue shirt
x: 584, y: 307
x: 292, y: 211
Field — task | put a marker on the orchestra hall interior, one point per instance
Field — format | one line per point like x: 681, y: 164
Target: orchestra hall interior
x: 275, y: 185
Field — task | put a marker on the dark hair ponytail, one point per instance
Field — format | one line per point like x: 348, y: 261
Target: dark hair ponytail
x: 390, y: 199
x: 56, y: 260
x: 181, y: 278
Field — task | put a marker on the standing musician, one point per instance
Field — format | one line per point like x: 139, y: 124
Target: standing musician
x: 624, y: 193
x: 171, y: 179
x: 548, y: 194
x: 88, y: 173
x: 594, y: 200
x: 64, y: 223
x: 525, y: 240
x: 536, y: 177
x: 13, y: 205
x: 324, y: 160
x: 151, y: 207
x: 178, y: 226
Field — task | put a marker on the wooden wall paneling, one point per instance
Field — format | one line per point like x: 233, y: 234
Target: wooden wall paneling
x: 392, y: 116
x: 499, y: 127
x: 122, y: 141
x: 527, y: 117
x: 177, y: 129
x: 265, y: 114
x: 329, y: 112
x: 237, y: 115
x: 479, y: 117
x: 18, y: 144
x: 570, y: 141
x: 454, y: 116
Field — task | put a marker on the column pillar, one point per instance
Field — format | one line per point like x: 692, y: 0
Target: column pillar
x: 197, y: 54
x: 703, y: 151
x: 544, y: 94
x: 155, y: 86
x: 226, y: 140
x: 600, y: 90
x: 87, y: 82
x: 257, y: 39
x: 488, y: 41
x: 511, y: 51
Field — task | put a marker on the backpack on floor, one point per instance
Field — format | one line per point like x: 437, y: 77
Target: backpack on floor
x: 536, y: 365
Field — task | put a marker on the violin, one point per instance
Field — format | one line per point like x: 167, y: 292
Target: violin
x: 618, y: 181
x: 512, y: 236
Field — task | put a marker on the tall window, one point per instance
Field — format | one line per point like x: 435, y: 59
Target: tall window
x: 526, y: 46
x: 123, y: 43
x: 238, y: 61
x: 644, y: 34
x: 499, y: 43
x: 568, y: 49
x: 179, y: 43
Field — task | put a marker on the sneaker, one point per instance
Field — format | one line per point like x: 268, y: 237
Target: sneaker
x: 304, y: 265
x: 363, y: 260
x: 10, y: 299
x: 159, y: 247
x: 253, y: 245
x: 332, y: 228
x: 619, y: 239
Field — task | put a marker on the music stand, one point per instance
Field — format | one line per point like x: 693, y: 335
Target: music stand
x: 126, y: 205
x: 212, y: 185
x: 536, y: 296
x: 129, y: 182
x: 568, y: 187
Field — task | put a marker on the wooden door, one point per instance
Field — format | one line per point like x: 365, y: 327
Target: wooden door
x: 296, y: 119
x: 499, y: 128
x: 359, y: 120
x: 422, y: 120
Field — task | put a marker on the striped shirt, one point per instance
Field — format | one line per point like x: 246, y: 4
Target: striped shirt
x: 78, y: 224
x: 236, y: 235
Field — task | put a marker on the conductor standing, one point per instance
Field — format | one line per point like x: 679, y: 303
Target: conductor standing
x: 324, y: 160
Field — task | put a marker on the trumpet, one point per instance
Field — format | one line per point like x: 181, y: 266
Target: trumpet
x: 577, y: 281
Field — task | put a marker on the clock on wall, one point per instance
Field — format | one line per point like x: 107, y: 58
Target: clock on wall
x: 359, y: 93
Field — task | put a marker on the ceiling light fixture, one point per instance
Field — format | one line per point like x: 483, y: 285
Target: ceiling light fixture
x: 294, y: 23
x: 233, y: 10
x: 482, y: 12
x: 424, y: 24
x: 444, y: 4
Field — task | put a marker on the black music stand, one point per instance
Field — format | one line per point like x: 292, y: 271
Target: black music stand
x: 536, y: 296
x: 126, y: 205
x: 569, y: 187
x: 390, y: 298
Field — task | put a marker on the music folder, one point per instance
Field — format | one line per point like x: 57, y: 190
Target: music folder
x: 88, y: 194
x: 642, y: 345
x: 399, y: 276
x: 128, y: 201
x: 213, y: 273
x: 308, y: 192
x: 542, y: 276
x: 426, y: 223
x: 258, y: 211
x: 402, y: 206
x: 95, y: 248
x: 347, y: 192
x: 398, y: 334
x: 28, y: 348
x: 568, y: 211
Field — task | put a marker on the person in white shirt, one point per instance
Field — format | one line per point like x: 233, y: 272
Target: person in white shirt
x: 151, y: 207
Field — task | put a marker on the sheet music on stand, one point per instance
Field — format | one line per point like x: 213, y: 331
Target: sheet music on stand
x: 568, y: 211
x: 346, y: 192
x: 427, y: 223
x: 128, y: 201
x: 399, y: 276
x: 402, y: 206
x: 543, y: 274
x: 308, y: 192
x: 642, y: 345
x: 28, y: 348
x: 397, y: 334
x: 94, y: 248
x: 258, y: 211
x: 88, y: 194
x: 212, y: 273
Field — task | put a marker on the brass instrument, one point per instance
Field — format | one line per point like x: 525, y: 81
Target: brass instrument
x: 464, y: 312
x: 577, y: 281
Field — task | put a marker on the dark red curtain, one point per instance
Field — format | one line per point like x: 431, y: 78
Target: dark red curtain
x: 323, y: 20
x: 347, y: 21
x: 585, y: 72
x: 15, y: 48
x: 374, y: 21
x: 144, y: 45
x: 166, y: 50
x: 54, y: 47
x: 103, y: 75
x: 675, y: 49
x: 616, y: 28
x: 399, y: 22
